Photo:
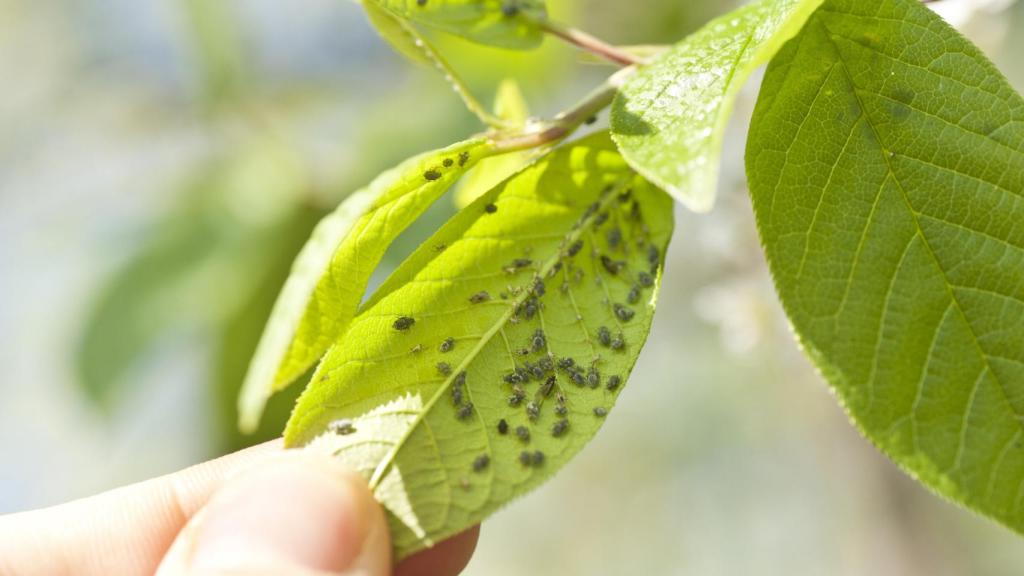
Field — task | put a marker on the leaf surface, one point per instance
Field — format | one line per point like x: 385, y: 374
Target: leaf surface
x: 669, y: 117
x: 497, y: 298
x: 510, y: 24
x: 404, y: 40
x: 886, y: 167
x: 330, y: 274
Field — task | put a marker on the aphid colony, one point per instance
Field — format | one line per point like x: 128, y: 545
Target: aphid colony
x: 546, y: 369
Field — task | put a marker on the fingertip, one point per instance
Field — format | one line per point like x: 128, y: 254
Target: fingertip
x: 447, y: 558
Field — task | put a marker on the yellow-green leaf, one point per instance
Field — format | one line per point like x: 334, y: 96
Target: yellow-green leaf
x: 508, y: 24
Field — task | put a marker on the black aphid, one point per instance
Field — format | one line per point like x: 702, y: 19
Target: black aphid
x: 342, y: 427
x: 645, y: 279
x: 601, y: 219
x: 613, y: 382
x: 440, y: 247
x: 530, y: 308
x: 653, y: 256
x: 566, y: 363
x: 479, y: 297
x: 510, y: 9
x: 634, y: 295
x: 447, y: 344
x: 512, y: 378
x: 521, y: 263
x: 546, y: 364
x: 457, y: 396
x: 463, y: 158
x: 618, y: 343
x: 460, y: 379
x: 538, y: 287
x: 612, y: 266
x: 403, y: 323
x: 590, y: 120
x: 604, y: 336
x: 560, y: 428
x: 444, y: 368
x: 536, y: 371
x: 481, y: 462
x: 614, y: 236
x: 561, y: 410
x: 533, y: 411
x: 600, y: 412
x: 591, y: 210
x: 537, y: 459
x: 577, y: 378
x: 575, y: 248
x: 539, y: 341
x: 490, y: 208
x: 421, y: 2
x: 623, y: 313
x: 432, y: 175
x: 548, y: 386
x: 517, y: 396
x: 502, y: 427
x: 465, y: 411
x: 593, y: 377
x: 523, y: 433
x: 448, y: 162
x: 525, y: 458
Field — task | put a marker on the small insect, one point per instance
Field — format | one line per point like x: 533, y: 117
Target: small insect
x: 561, y: 410
x: 554, y: 269
x: 523, y: 433
x: 575, y: 248
x: 421, y: 2
x: 536, y: 371
x: 546, y: 364
x: 510, y: 9
x: 525, y: 458
x: 577, y: 378
x: 614, y: 237
x: 593, y: 377
x: 342, y: 427
x: 645, y: 279
x: 465, y: 411
x: 446, y: 345
x: 457, y: 395
x: 444, y: 368
x: 502, y: 427
x: 403, y: 323
x: 625, y: 195
x: 560, y: 428
x: 566, y: 363
x: 530, y: 308
x: 538, y: 287
x: 653, y: 256
x: 600, y: 412
x: 612, y: 266
x: 416, y: 349
x: 539, y: 340
x: 440, y: 247
x: 533, y: 411
x: 618, y: 343
x: 604, y: 336
x: 512, y: 378
x: 601, y: 219
x: 521, y: 263
x: 523, y: 351
x: 480, y: 297
x: 431, y: 175
x: 623, y: 313
x: 634, y: 295
x: 517, y: 397
x: 590, y: 120
x: 460, y: 379
x: 448, y: 162
x: 481, y: 462
x: 591, y: 210
x: 548, y: 386
x: 463, y: 156
x: 537, y: 458
x: 490, y: 208
x: 613, y: 382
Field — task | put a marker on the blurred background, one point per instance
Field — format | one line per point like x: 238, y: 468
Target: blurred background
x: 161, y: 163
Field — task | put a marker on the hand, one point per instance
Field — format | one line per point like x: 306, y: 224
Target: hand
x: 258, y: 511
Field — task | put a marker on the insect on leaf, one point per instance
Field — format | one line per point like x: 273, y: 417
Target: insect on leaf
x: 886, y: 167
x: 330, y: 274
x: 508, y: 24
x: 669, y: 117
x: 478, y: 370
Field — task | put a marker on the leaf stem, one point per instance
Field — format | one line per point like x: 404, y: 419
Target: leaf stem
x: 589, y: 43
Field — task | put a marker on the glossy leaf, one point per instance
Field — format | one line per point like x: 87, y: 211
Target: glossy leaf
x: 559, y: 262
x: 886, y: 166
x: 508, y: 24
x: 669, y: 117
x: 330, y: 275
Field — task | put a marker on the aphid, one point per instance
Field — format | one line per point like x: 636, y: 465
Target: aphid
x: 510, y: 9
x: 525, y: 458
x: 403, y: 323
x: 523, y: 351
x: 618, y: 343
x: 421, y: 2
x: 342, y: 427
x: 457, y: 395
x: 646, y: 280
x: 653, y: 256
x: 604, y: 336
x: 523, y: 433
x: 463, y: 156
x: 612, y: 266
x: 539, y: 341
x: 546, y: 364
x: 440, y: 247
x: 554, y: 269
x: 634, y: 211
x: 625, y: 195
x: 530, y: 308
x: 521, y: 263
x: 447, y: 344
x: 600, y: 412
x: 465, y: 411
x: 536, y: 371
x: 416, y: 349
x: 444, y: 368
x: 634, y: 295
x: 561, y: 410
x: 614, y: 236
x: 448, y: 162
x: 566, y: 363
x: 560, y: 427
x: 431, y: 175
x: 601, y: 219
x: 533, y: 411
x: 481, y: 462
x: 503, y: 295
x: 512, y: 378
x: 502, y: 427
x: 460, y: 379
x: 623, y: 313
x: 590, y: 120
x: 548, y: 386
x: 575, y: 248
x: 537, y: 459
x: 593, y: 377
x: 538, y: 287
x: 490, y: 208
x: 591, y: 210
x: 577, y: 378
x: 517, y: 397
x: 479, y: 297
x: 613, y: 382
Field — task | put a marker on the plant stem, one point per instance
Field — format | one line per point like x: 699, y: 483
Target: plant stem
x: 589, y: 43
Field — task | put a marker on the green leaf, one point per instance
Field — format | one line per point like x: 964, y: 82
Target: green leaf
x: 509, y: 105
x: 420, y: 443
x: 508, y: 24
x: 403, y: 39
x: 330, y: 274
x: 669, y: 117
x: 886, y: 166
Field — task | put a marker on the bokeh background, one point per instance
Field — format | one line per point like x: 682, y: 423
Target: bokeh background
x: 162, y: 161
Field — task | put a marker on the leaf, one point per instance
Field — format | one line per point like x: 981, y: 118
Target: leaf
x: 510, y: 24
x: 404, y: 40
x: 436, y: 458
x: 330, y: 274
x: 669, y: 117
x: 509, y: 105
x: 886, y: 166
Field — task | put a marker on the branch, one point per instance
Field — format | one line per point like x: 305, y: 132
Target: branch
x: 589, y: 43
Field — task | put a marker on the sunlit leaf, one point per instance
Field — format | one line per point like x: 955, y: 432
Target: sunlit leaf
x: 886, y: 166
x: 404, y: 40
x: 329, y: 276
x: 669, y: 117
x: 508, y: 24
x: 452, y: 391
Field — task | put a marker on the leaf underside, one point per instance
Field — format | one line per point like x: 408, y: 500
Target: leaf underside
x: 886, y: 167
x: 330, y: 274
x: 404, y: 40
x: 498, y: 280
x: 510, y: 24
x: 669, y: 117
